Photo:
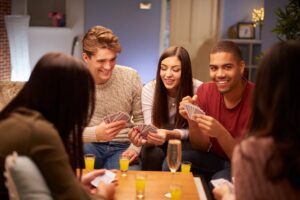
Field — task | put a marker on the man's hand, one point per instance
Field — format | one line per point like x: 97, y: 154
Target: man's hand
x: 131, y: 154
x: 135, y: 137
x: 106, y: 132
x: 209, y: 126
x: 157, y: 138
x: 184, y: 100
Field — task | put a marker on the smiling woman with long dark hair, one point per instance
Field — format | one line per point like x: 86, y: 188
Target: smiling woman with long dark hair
x: 160, y: 101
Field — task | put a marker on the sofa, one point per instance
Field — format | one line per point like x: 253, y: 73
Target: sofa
x: 8, y: 90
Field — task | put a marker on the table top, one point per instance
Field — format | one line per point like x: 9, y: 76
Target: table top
x: 157, y: 184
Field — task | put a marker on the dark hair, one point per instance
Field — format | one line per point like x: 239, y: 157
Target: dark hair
x: 228, y: 47
x: 160, y: 112
x: 276, y: 110
x: 100, y: 37
x: 61, y: 88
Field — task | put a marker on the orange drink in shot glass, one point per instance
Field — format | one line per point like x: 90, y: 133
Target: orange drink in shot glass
x: 140, y: 184
x: 186, y: 166
x: 89, y: 161
x: 124, y: 164
x: 176, y: 192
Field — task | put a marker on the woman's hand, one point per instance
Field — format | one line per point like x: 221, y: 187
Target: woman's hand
x: 106, y: 190
x: 223, y: 192
x: 88, y: 177
x: 157, y: 138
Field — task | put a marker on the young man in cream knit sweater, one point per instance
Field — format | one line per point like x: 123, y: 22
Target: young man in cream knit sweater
x: 118, y: 88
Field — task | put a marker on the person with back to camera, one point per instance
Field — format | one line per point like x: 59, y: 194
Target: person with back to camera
x: 118, y: 88
x: 226, y: 103
x: 160, y: 100
x: 266, y: 165
x: 45, y: 122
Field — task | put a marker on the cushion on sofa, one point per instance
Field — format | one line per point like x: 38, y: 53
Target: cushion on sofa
x: 24, y: 180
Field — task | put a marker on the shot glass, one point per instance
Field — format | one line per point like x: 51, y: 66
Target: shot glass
x: 89, y: 161
x: 186, y: 166
x: 124, y: 164
x: 140, y: 184
x: 176, y: 192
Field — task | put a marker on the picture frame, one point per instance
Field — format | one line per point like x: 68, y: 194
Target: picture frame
x: 245, y: 30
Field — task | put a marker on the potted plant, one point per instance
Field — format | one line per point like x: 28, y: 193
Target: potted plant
x: 288, y: 21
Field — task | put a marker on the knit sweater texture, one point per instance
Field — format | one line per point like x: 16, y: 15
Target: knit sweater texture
x: 122, y: 92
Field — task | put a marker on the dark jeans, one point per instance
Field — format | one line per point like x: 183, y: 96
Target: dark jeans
x: 152, y: 157
x: 108, y: 154
x: 209, y: 165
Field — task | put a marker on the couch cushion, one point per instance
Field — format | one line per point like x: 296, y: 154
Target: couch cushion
x: 24, y: 180
x: 8, y: 90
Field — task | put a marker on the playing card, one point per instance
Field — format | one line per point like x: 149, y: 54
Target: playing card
x: 221, y: 181
x: 192, y: 109
x: 107, y: 178
x: 116, y: 117
x: 146, y: 128
x: 122, y: 116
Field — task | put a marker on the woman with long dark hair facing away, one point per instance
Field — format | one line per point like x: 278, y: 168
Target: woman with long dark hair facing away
x: 45, y: 122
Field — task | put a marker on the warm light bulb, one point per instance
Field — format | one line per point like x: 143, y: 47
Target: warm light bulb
x: 258, y: 15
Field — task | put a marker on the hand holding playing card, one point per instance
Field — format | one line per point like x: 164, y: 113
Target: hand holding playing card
x: 185, y: 100
x: 106, y: 178
x: 221, y: 181
x: 88, y: 177
x: 135, y: 137
x: 145, y: 129
x: 158, y: 138
x: 223, y: 189
x: 106, y: 132
x: 192, y: 109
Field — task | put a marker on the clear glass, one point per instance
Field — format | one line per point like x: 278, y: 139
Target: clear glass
x: 173, y: 158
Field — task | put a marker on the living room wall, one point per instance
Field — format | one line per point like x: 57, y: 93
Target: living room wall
x: 235, y: 11
x: 138, y: 31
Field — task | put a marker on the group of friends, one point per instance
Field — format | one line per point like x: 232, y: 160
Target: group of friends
x: 248, y: 132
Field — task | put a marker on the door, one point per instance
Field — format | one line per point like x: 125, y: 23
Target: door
x: 194, y: 25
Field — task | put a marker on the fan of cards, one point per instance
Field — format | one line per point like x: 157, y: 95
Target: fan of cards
x: 145, y: 129
x: 116, y: 117
x: 192, y: 109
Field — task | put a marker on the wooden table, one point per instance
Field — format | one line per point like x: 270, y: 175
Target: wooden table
x: 157, y: 184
